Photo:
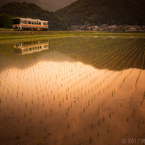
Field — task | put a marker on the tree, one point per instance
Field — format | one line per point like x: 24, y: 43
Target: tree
x: 5, y: 21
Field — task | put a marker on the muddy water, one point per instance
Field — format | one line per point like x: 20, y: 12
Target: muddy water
x: 61, y: 95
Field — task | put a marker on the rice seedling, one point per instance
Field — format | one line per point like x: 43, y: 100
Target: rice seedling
x: 144, y: 95
x: 7, y: 106
x: 32, y: 101
x: 108, y: 129
x: 68, y: 125
x: 40, y: 120
x: 99, y: 92
x: 59, y: 103
x: 26, y: 104
x: 39, y: 142
x: 66, y: 96
x: 138, y: 124
x: 127, y: 119
x: 43, y: 103
x: 103, y: 118
x: 113, y: 112
x: 50, y: 110
x: 30, y: 110
x: 141, y: 102
x: 44, y: 136
x: 24, y: 115
x: 30, y: 119
x: 73, y: 133
x: 84, y: 109
x: 92, y: 125
x: 68, y: 108
x: 54, y: 97
x: 45, y: 127
x: 102, y: 104
x: 98, y: 121
x: 92, y: 99
x: 98, y: 134
x: 63, y: 100
x: 67, y: 113
x: 26, y: 132
x: 18, y: 119
x: 108, y: 142
x: 88, y: 102
x: 45, y: 114
x: 12, y: 111
x: 110, y: 114
x: 90, y: 138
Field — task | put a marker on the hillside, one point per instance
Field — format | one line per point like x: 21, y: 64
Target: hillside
x: 45, y: 4
x: 99, y: 12
x: 16, y: 9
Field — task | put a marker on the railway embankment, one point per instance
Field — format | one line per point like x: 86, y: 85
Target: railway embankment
x: 12, y: 32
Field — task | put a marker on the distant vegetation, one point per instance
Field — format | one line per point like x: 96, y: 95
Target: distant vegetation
x: 16, y: 9
x: 5, y: 21
x: 97, y: 12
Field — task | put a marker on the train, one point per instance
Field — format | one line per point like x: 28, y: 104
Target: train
x: 31, y: 47
x: 21, y: 24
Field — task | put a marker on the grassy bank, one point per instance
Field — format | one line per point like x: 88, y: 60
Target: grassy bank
x: 10, y: 36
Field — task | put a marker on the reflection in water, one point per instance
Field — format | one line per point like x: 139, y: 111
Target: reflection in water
x: 30, y: 47
x: 57, y: 97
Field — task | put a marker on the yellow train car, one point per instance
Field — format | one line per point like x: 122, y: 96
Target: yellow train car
x: 21, y: 24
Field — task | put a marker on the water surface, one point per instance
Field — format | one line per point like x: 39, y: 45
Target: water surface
x: 72, y: 91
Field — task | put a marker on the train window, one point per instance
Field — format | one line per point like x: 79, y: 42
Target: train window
x: 45, y: 46
x: 45, y: 23
x: 29, y: 22
x: 16, y: 21
x: 34, y: 23
x: 24, y: 22
x: 39, y: 23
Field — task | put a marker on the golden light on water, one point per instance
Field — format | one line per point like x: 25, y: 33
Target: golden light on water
x: 60, y: 100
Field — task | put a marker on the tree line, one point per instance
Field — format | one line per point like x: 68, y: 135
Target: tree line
x: 98, y: 12
x: 29, y: 10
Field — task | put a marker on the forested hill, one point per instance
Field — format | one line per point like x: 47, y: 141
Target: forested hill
x: 104, y: 12
x: 30, y: 10
x: 51, y: 5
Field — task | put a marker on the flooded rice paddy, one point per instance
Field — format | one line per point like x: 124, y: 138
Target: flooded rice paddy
x: 73, y: 91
